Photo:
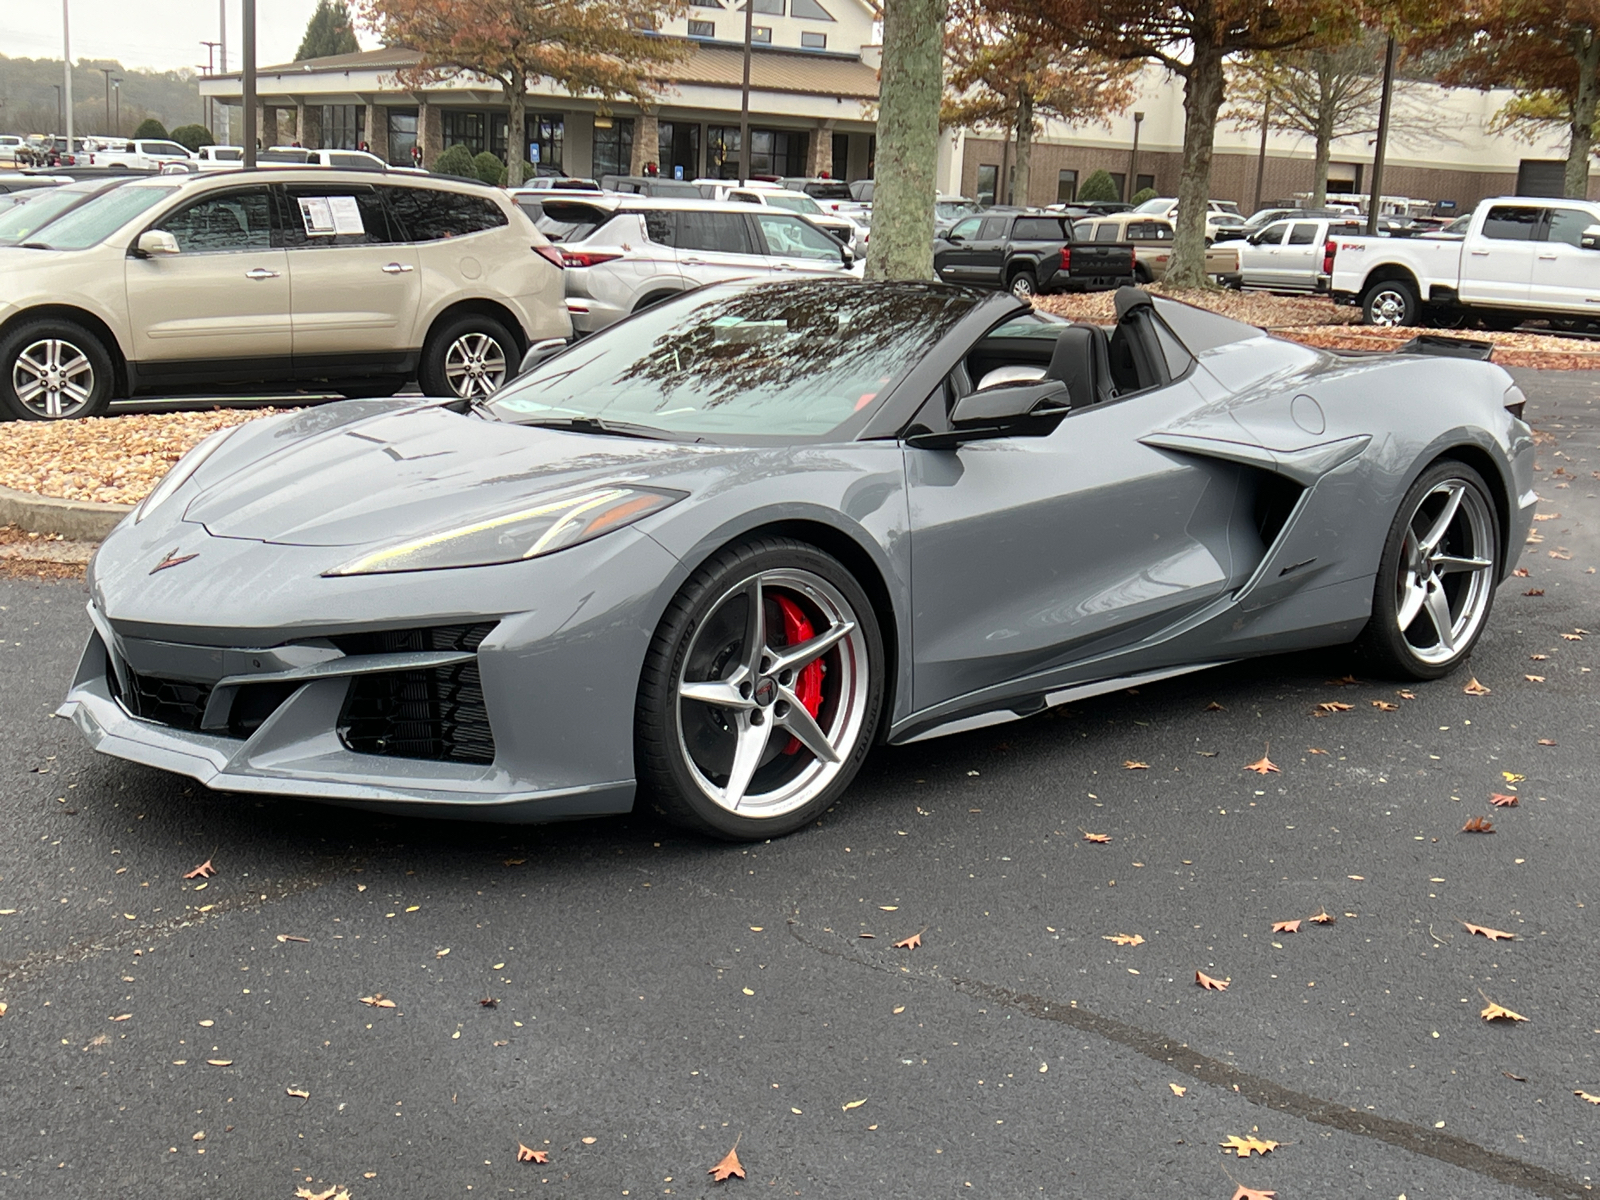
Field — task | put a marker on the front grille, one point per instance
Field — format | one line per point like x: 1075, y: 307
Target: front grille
x: 436, y: 714
x: 175, y: 702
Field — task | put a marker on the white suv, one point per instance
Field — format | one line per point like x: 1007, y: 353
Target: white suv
x: 625, y: 253
x: 306, y: 277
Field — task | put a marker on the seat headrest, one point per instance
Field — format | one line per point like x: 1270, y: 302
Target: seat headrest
x: 1076, y: 363
x: 1130, y: 298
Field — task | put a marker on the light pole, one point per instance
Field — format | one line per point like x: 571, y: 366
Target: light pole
x: 1131, y: 186
x: 106, y: 71
x: 1261, y: 158
x: 66, y: 72
x: 248, y: 87
x: 57, y: 87
x: 116, y: 86
x: 1383, y: 139
x: 223, y: 135
x: 744, y: 98
x: 207, y: 109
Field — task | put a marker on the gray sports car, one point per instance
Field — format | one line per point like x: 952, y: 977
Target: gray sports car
x: 716, y: 552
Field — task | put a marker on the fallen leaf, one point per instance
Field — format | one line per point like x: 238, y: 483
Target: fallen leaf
x: 1178, y: 1089
x: 515, y: 862
x: 1286, y: 927
x: 489, y: 1002
x: 1097, y: 838
x: 1385, y: 706
x: 2, y: 1008
x: 1534, y: 592
x: 1478, y: 825
x: 289, y: 937
x: 1210, y: 984
x: 534, y: 1156
x: 1334, y: 706
x: 205, y: 1024
x: 853, y: 1104
x: 1245, y: 1147
x: 866, y: 935
x: 1215, y: 707
x: 1521, y: 572
x: 1315, y: 750
x: 1323, y: 918
x: 1502, y: 800
x: 303, y: 1095
x: 1539, y: 657
x: 1512, y: 777
x: 1494, y: 1012
x: 1245, y: 1193
x: 1474, y: 688
x: 1572, y: 637
x: 443, y: 952
x: 1545, y: 516
x: 1357, y: 878
x: 1343, y: 681
x: 204, y: 871
x: 1132, y: 765
x: 1264, y: 766
x: 1534, y: 678
x: 1406, y: 694
x: 1123, y: 939
x: 589, y: 1141
x: 333, y: 1193
x: 890, y: 907
x: 1494, y: 935
x: 912, y: 942
x: 1563, y: 554
x: 377, y: 1001
x: 730, y: 1165
x: 1518, y: 1078
x: 121, y: 1016
x: 1547, y: 741
x: 220, y: 1062
x: 1588, y: 1097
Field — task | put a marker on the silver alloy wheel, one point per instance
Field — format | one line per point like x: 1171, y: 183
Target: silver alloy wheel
x: 1389, y: 308
x: 475, y: 366
x: 751, y: 694
x: 1022, y: 286
x: 1446, y: 575
x: 53, y: 378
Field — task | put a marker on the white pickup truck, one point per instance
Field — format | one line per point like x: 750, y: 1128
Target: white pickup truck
x: 1522, y: 257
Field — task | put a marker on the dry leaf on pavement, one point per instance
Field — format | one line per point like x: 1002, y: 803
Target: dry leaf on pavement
x: 1178, y: 1089
x: 1587, y: 1096
x: 1334, y: 706
x: 534, y: 1156
x: 1474, y: 688
x: 1286, y: 927
x: 1134, y: 765
x: 1385, y: 706
x: 1323, y: 918
x: 1265, y: 766
x: 730, y: 1165
x: 1478, y: 825
x: 289, y: 937
x: 1215, y: 707
x: 377, y: 1000
x: 1494, y: 1012
x: 1502, y: 800
x: 1097, y: 838
x: 1521, y: 572
x: 1343, y: 681
x: 1210, y: 984
x: 219, y: 1062
x: 1245, y: 1193
x: 1494, y: 935
x: 334, y: 1193
x: 204, y: 871
x: 1547, y: 741
x: 1245, y: 1147
x: 299, y: 1093
x: 1123, y: 939
x: 1572, y: 637
x: 912, y: 942
x: 846, y: 1107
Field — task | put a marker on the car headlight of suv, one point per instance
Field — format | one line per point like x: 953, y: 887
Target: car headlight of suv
x: 182, y: 472
x: 527, y: 532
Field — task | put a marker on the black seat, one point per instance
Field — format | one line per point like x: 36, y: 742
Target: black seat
x: 1082, y: 361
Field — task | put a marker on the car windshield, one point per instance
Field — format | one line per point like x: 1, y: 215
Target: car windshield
x: 950, y: 210
x: 95, y: 220
x: 20, y: 222
x: 1157, y: 205
x: 794, y: 202
x: 747, y: 361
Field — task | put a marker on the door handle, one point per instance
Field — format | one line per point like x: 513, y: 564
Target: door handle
x: 395, y: 268
x: 783, y: 266
x: 1479, y: 253
x: 1547, y: 258
x: 260, y: 273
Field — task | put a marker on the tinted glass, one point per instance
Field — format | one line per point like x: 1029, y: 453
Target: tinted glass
x: 966, y: 229
x: 359, y: 161
x: 1178, y: 358
x: 1510, y: 224
x: 1155, y: 231
x: 715, y: 232
x: 661, y: 228
x: 790, y: 237
x: 239, y: 220
x: 97, y: 219
x: 993, y: 228
x: 793, y: 201
x: 564, y: 222
x: 1272, y: 235
x: 1038, y: 229
x: 324, y: 215
x: 1302, y: 234
x: 426, y: 215
x: 42, y: 207
x: 828, y: 190
x: 163, y: 148
x: 762, y: 362
x: 1106, y: 232
x: 1083, y: 231
x: 1566, y: 225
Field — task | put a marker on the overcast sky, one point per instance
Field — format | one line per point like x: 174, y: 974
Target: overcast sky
x: 164, y: 34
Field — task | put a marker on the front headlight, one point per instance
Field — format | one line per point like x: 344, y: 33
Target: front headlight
x: 182, y: 471
x: 528, y: 532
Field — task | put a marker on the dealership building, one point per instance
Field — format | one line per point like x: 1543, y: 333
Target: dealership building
x: 813, y: 97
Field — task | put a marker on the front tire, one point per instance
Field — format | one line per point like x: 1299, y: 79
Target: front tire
x: 760, y: 693
x: 468, y: 358
x: 1436, y: 578
x: 1390, y: 304
x: 53, y: 370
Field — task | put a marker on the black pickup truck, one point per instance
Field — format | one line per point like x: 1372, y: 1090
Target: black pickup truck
x: 1027, y: 253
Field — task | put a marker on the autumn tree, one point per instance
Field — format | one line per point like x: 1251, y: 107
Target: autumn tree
x: 328, y: 32
x: 1547, y: 50
x: 1192, y: 39
x: 1010, y: 71
x: 909, y: 91
x: 601, y: 48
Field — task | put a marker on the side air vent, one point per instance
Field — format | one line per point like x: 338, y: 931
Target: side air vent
x: 1275, y: 499
x: 436, y: 714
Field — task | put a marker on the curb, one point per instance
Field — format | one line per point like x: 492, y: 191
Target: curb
x: 76, y: 520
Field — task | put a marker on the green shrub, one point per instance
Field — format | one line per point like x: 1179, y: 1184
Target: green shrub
x: 1142, y: 195
x: 489, y: 168
x: 150, y: 129
x: 1099, y: 186
x: 457, y: 160
x: 192, y: 137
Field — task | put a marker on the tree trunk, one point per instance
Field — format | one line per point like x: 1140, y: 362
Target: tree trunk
x: 1323, y: 143
x: 908, y: 139
x: 516, y: 132
x: 1586, y: 53
x: 1022, y: 173
x: 1202, y: 98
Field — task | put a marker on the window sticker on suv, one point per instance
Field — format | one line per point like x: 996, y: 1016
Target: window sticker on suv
x: 329, y: 216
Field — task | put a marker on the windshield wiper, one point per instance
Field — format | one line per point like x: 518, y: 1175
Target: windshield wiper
x: 596, y: 425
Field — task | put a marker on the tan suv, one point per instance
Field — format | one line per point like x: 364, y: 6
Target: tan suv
x: 311, y: 278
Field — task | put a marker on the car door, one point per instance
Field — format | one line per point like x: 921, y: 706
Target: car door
x: 1300, y: 257
x: 714, y: 246
x: 1031, y: 553
x: 986, y: 253
x: 1565, y: 275
x: 794, y: 245
x: 355, y: 286
x: 220, y: 308
x: 952, y: 260
x: 1497, y: 259
x: 1257, y: 261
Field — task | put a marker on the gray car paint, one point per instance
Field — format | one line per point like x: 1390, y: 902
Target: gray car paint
x: 1011, y: 573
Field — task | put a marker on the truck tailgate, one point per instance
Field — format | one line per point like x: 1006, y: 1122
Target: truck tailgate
x: 1092, y: 260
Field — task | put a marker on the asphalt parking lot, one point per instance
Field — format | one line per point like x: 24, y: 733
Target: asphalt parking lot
x: 657, y: 998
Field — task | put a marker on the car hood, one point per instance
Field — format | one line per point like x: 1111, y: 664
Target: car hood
x: 364, y: 472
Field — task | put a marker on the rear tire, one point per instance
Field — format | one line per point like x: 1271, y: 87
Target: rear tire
x: 53, y: 370
x: 1023, y: 285
x: 468, y: 358
x: 732, y: 739
x: 1390, y: 303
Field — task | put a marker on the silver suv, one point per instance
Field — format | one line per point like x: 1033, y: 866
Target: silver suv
x: 307, y: 277
x: 625, y: 253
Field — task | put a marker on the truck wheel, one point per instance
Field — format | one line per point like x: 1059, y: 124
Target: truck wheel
x: 1141, y: 274
x: 1390, y: 303
x: 1023, y: 285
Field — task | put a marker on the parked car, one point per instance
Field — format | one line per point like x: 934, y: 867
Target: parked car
x: 356, y: 283
x: 1026, y: 253
x: 842, y: 226
x: 19, y: 182
x: 146, y: 153
x: 649, y: 185
x: 1151, y: 241
x: 44, y: 205
x: 44, y: 150
x: 1521, y: 256
x: 624, y: 253
x: 1290, y: 255
x: 861, y: 190
x: 1222, y: 216
x: 828, y: 191
x: 10, y: 143
x: 947, y: 210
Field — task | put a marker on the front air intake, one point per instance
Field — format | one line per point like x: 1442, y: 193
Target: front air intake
x: 437, y: 714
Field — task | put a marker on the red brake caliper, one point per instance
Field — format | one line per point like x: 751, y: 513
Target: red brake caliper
x: 808, y: 687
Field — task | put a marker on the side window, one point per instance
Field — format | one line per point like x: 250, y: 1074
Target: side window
x: 240, y: 220
x: 714, y: 233
x: 1177, y: 356
x: 1304, y: 233
x: 967, y: 229
x: 1567, y: 225
x: 1083, y: 231
x: 790, y: 237
x: 430, y: 215
x: 1272, y: 235
x: 1511, y: 224
x: 1106, y: 232
x: 994, y: 228
x: 320, y: 216
x: 1157, y: 231
x: 345, y: 159
x: 661, y: 228
x: 1037, y: 229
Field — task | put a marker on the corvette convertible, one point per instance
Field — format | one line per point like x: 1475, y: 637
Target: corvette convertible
x: 710, y: 556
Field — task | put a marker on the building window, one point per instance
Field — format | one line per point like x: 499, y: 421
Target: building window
x: 1119, y: 178
x: 813, y: 41
x: 810, y: 10
x: 461, y: 128
x: 1066, y: 186
x: 722, y: 152
x: 769, y: 8
x: 989, y: 180
x: 613, y: 147
x: 841, y: 156
x: 1144, y: 183
x: 344, y: 126
x: 546, y: 135
x: 402, y: 135
x: 703, y: 29
x: 678, y: 147
x: 761, y: 33
x: 772, y: 152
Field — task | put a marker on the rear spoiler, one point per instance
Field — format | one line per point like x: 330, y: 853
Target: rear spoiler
x: 1447, y: 347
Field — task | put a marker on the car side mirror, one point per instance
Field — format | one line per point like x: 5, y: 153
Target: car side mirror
x: 1006, y: 410
x: 847, y: 256
x: 954, y: 238
x: 153, y: 242
x: 1591, y: 238
x: 539, y: 351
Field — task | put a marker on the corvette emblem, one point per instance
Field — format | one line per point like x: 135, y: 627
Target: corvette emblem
x: 173, y: 559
